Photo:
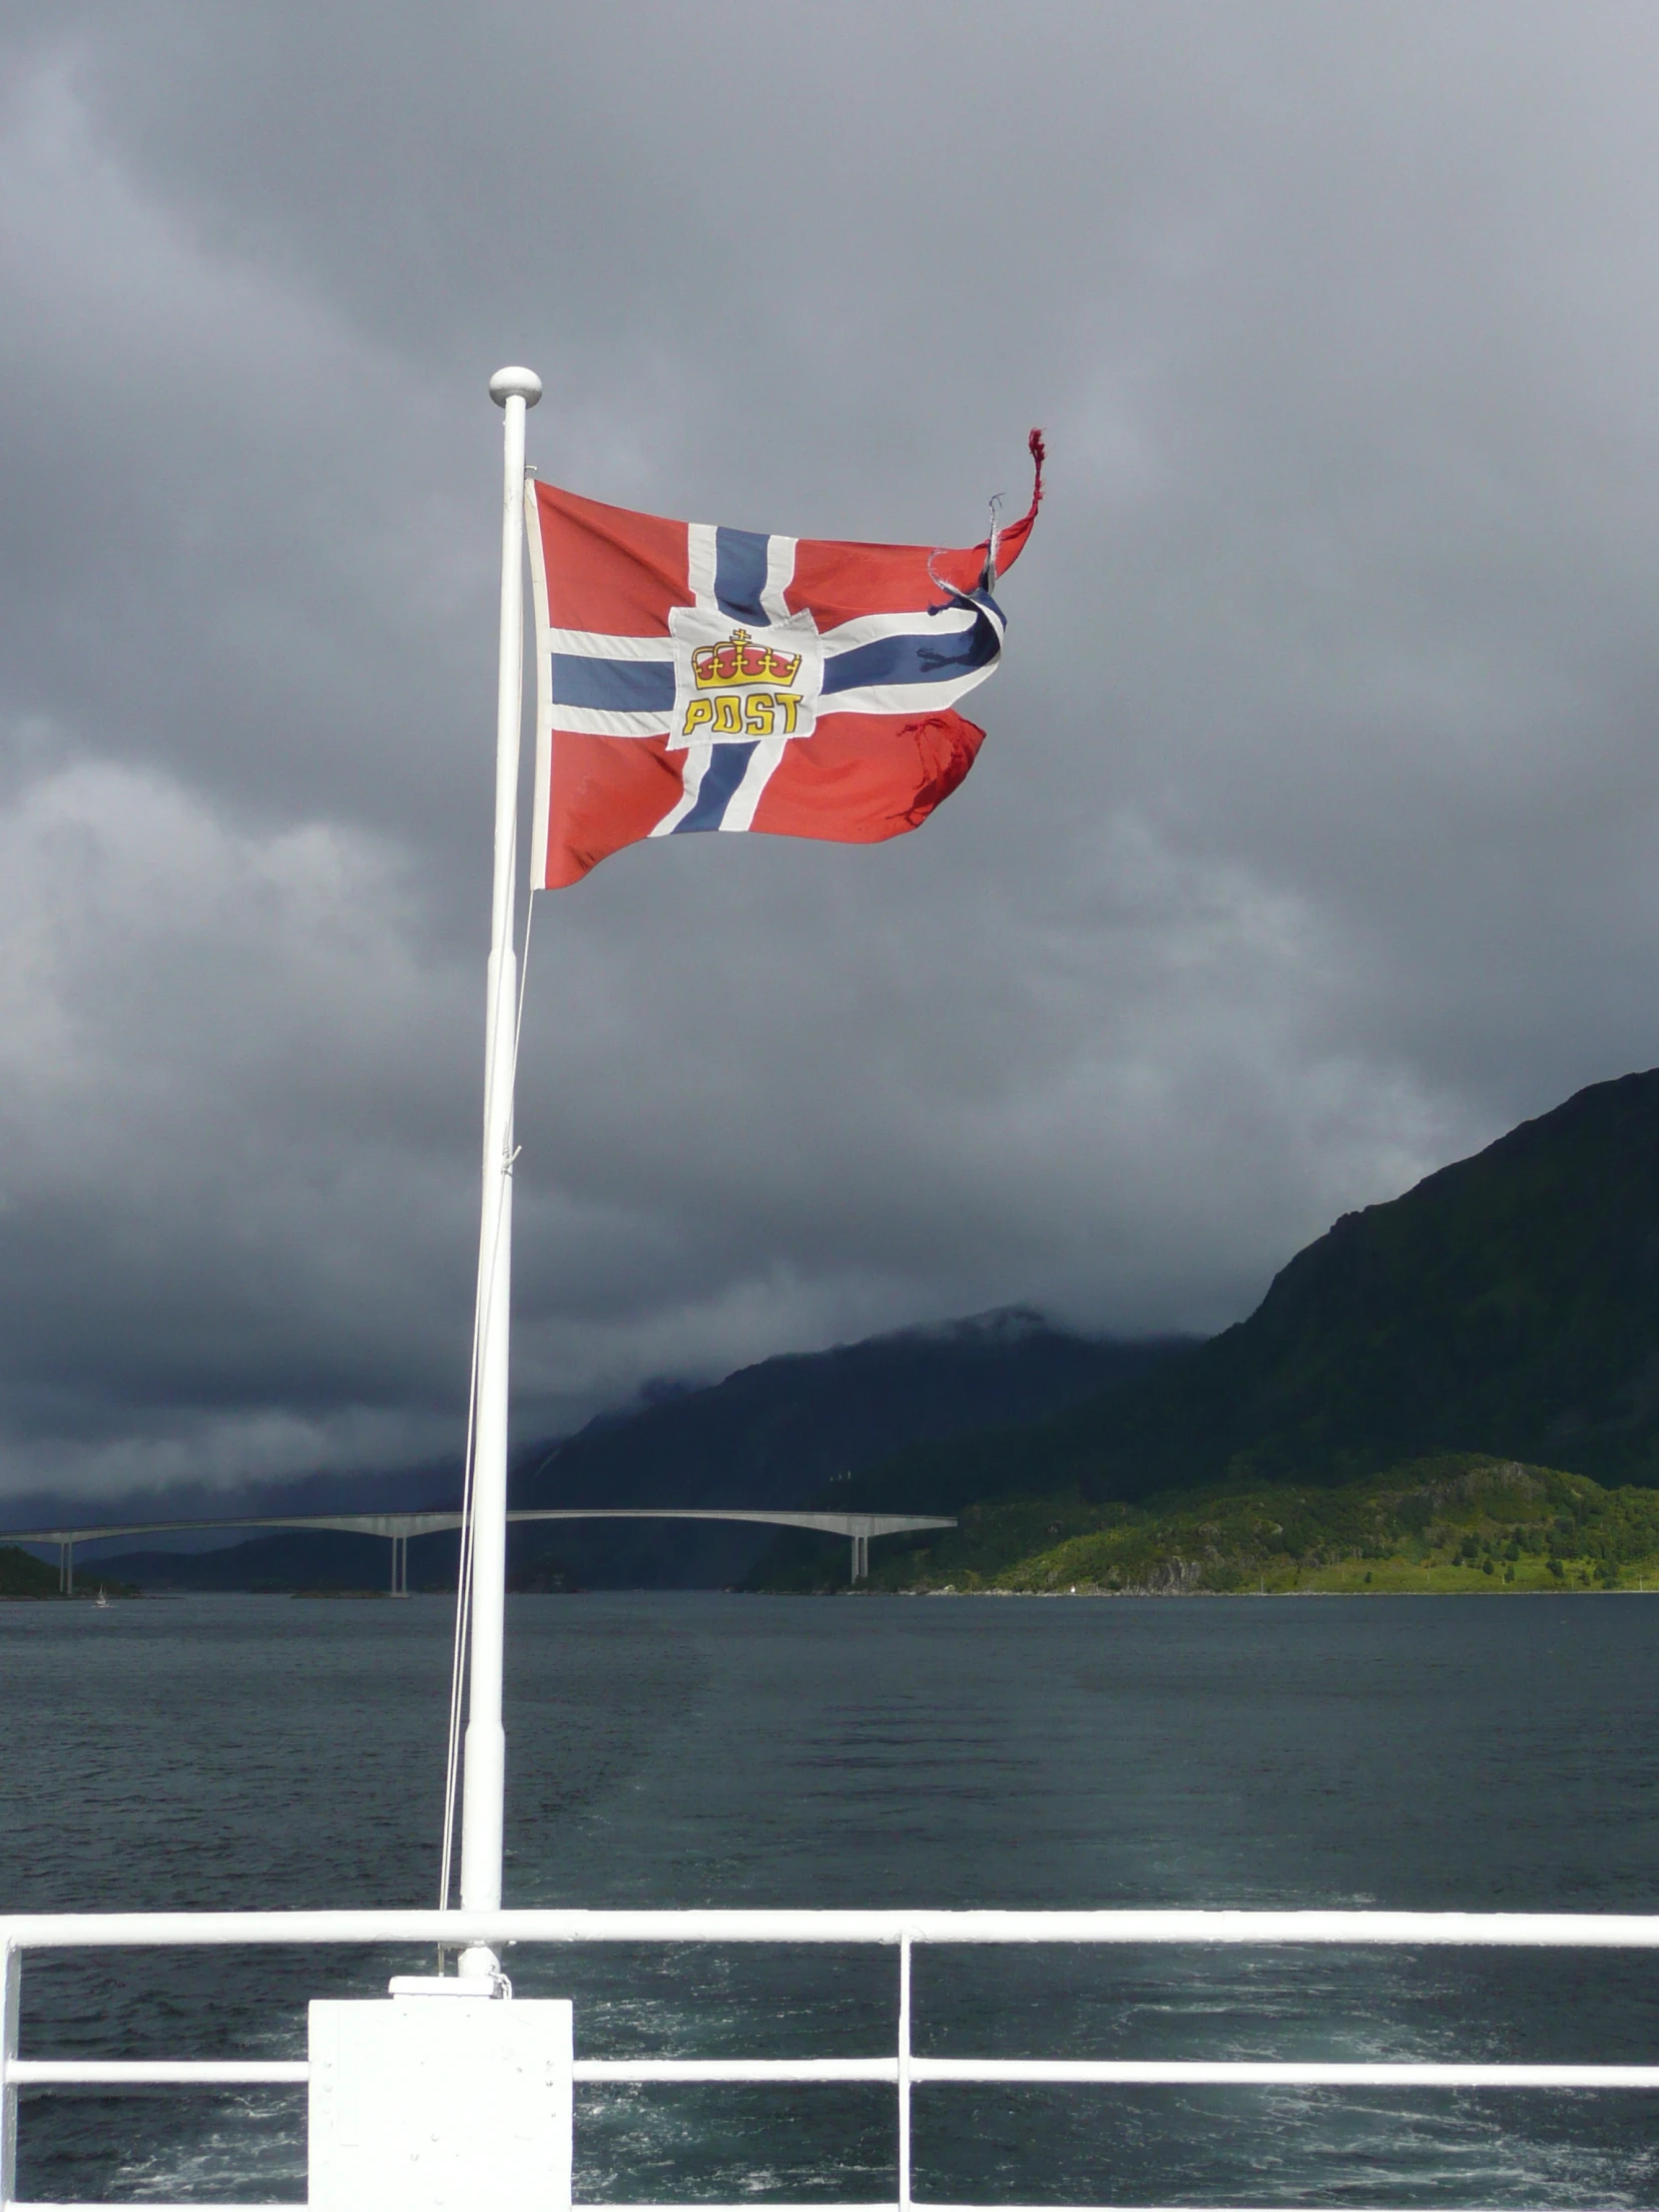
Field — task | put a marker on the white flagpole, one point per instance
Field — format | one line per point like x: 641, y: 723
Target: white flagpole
x: 515, y: 390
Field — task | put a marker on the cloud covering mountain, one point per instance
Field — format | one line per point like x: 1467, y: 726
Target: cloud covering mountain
x: 1310, y: 846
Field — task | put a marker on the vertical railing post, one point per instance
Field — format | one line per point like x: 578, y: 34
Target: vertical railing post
x: 904, y: 2073
x: 11, y: 2006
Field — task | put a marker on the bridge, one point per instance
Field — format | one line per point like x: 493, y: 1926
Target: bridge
x: 398, y: 1529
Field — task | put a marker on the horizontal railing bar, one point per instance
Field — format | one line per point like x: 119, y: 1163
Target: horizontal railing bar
x: 1544, y: 1930
x: 736, y: 2069
x: 1244, y: 2072
x: 122, y: 2073
x: 140, y: 2072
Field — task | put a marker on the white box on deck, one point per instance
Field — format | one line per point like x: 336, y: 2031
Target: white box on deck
x: 421, y: 2105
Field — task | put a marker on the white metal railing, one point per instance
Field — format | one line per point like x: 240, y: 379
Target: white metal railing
x: 902, y: 2070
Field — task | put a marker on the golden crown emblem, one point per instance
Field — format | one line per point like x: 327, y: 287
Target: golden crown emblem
x: 738, y: 660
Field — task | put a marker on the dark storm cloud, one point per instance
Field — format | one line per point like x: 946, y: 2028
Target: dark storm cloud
x: 1312, y: 845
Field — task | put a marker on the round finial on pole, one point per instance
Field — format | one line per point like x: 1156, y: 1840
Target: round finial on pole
x: 515, y: 383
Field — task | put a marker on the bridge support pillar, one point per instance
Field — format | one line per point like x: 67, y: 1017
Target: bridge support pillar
x: 66, y: 1568
x: 861, y: 1557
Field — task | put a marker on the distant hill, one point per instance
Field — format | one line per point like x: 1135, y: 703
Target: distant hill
x: 287, y: 1559
x: 1459, y: 1523
x: 23, y: 1575
x: 793, y: 1427
x: 1508, y: 1306
x: 770, y: 1434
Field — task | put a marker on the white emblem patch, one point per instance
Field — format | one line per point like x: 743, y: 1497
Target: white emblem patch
x: 737, y: 683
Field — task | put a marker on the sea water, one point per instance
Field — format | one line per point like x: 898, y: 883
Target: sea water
x: 680, y: 1749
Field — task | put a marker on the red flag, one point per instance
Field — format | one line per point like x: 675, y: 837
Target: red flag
x: 692, y: 676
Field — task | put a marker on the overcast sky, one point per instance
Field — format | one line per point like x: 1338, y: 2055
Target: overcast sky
x: 1312, y: 843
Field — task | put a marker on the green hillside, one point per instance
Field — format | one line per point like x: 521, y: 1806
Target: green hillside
x: 23, y: 1575
x: 1457, y: 1523
x: 1508, y: 1305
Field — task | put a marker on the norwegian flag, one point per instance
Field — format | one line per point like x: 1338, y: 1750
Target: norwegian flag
x: 698, y: 678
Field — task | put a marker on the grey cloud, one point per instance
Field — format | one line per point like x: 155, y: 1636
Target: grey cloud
x: 1310, y: 846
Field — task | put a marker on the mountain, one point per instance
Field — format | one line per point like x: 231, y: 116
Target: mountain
x: 770, y: 1434
x: 793, y: 1427
x: 1506, y: 1306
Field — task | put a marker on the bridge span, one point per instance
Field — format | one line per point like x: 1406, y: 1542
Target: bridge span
x: 398, y: 1529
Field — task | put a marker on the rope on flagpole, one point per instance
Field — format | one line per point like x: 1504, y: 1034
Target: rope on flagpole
x: 463, y: 1587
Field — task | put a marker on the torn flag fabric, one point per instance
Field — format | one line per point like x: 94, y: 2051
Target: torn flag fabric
x: 698, y: 678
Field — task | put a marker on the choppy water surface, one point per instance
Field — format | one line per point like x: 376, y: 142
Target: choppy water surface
x: 682, y: 1749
